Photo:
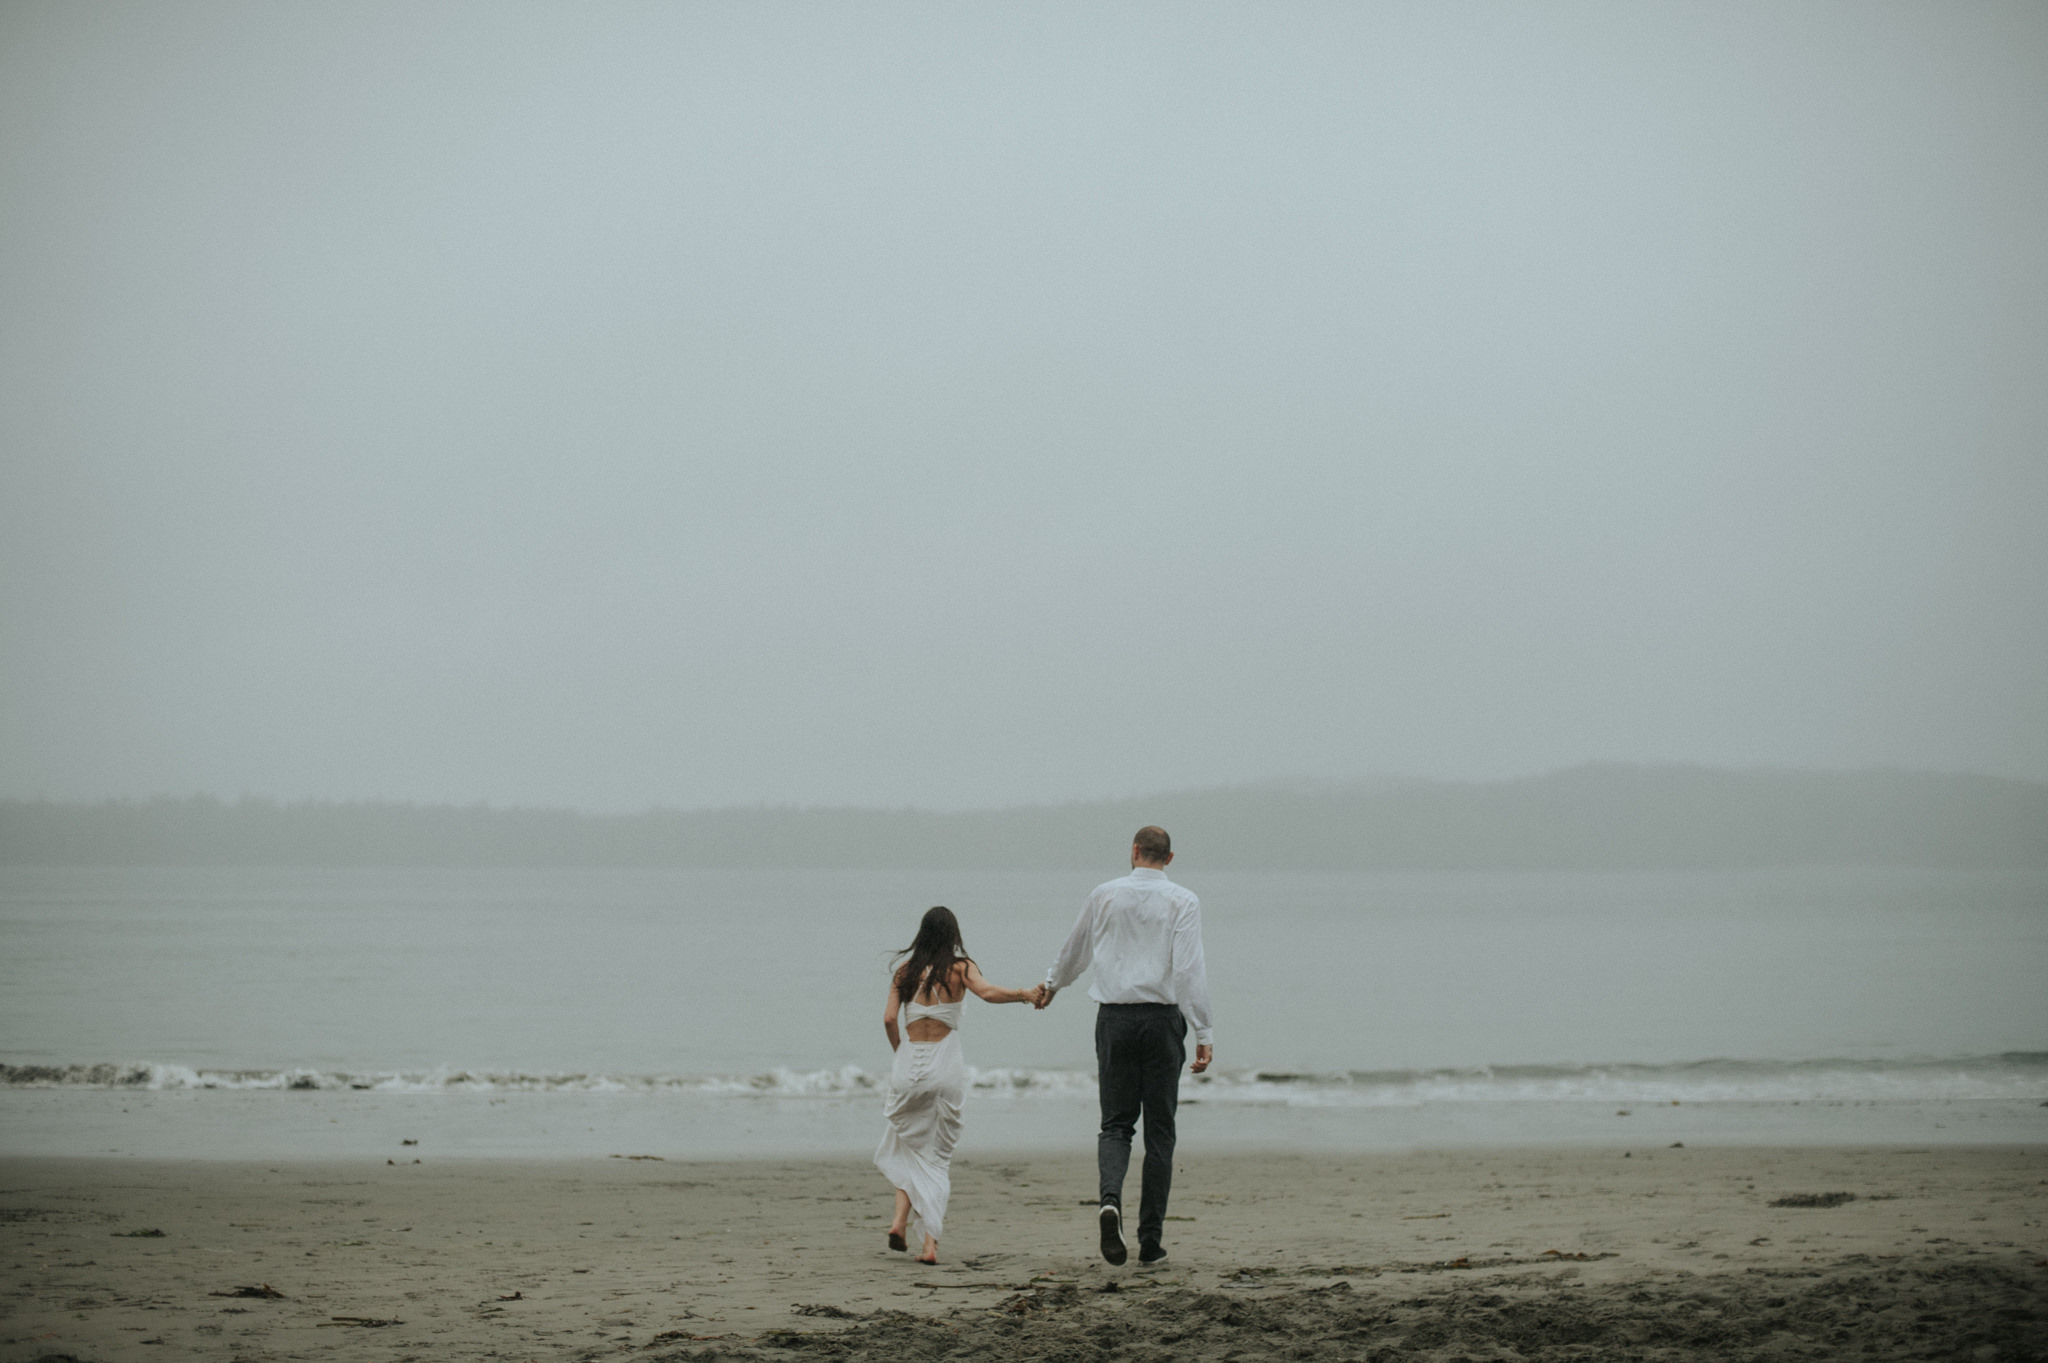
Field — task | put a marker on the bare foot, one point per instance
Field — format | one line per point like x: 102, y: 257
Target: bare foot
x: 899, y: 1224
x: 931, y: 1251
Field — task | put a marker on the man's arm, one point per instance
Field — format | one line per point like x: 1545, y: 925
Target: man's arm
x: 1190, y: 972
x: 1075, y: 956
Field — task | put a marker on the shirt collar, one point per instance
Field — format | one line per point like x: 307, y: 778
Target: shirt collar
x: 1147, y: 873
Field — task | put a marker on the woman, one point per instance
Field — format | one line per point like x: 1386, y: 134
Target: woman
x: 922, y: 1116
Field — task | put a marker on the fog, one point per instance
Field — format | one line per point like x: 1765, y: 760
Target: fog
x: 616, y: 404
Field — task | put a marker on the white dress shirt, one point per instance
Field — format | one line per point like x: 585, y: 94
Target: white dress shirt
x: 1143, y: 934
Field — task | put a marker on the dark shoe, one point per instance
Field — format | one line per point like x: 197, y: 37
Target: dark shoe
x: 897, y: 1242
x: 1151, y: 1254
x: 1112, y: 1218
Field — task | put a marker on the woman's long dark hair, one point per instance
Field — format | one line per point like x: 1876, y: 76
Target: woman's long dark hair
x: 933, y: 953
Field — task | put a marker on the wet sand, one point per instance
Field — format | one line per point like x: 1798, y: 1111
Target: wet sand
x: 1544, y: 1253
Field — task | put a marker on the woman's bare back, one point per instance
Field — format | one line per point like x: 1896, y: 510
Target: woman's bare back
x: 954, y: 989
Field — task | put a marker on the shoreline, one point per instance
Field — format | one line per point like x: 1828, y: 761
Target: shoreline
x: 342, y: 1125
x: 652, y: 1254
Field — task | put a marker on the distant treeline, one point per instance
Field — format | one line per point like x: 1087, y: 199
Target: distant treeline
x: 1589, y: 818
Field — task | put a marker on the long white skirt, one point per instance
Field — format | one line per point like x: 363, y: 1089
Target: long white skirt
x: 921, y: 1122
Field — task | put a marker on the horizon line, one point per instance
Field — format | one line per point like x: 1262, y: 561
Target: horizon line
x: 1289, y: 785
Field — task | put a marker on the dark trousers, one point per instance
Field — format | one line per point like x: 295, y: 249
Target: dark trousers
x: 1138, y: 1053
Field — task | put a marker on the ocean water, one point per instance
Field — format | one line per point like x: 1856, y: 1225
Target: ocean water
x: 271, y: 1010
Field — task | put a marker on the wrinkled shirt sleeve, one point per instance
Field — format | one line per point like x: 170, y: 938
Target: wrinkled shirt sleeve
x: 1190, y: 972
x: 1079, y: 951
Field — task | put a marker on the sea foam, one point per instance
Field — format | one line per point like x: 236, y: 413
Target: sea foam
x: 2014, y: 1076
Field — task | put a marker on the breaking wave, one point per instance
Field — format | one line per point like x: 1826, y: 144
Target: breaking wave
x: 2014, y: 1076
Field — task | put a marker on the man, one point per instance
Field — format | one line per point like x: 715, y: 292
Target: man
x: 1143, y: 934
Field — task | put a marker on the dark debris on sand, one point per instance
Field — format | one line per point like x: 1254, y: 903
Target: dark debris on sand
x: 1813, y: 1200
x: 1992, y: 1312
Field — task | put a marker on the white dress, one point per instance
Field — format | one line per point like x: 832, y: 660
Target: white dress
x: 921, y: 1118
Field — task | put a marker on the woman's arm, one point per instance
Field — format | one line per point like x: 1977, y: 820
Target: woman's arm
x: 889, y: 1016
x: 994, y: 993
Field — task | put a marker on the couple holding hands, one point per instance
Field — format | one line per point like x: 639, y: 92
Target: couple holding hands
x: 1143, y: 935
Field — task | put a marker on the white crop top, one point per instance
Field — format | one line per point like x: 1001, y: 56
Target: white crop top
x: 948, y: 1013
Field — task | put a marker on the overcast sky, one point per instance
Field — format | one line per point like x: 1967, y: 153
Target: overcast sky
x: 613, y: 404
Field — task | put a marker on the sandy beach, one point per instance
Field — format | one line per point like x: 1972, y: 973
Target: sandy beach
x: 1665, y: 1253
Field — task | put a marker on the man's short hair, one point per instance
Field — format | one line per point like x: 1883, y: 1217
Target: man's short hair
x: 1152, y: 844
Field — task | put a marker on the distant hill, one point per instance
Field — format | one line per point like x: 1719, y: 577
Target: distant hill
x: 1587, y: 818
